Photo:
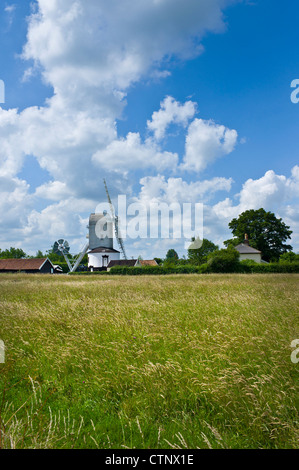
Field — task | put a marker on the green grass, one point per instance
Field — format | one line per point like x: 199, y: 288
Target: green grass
x: 182, y: 361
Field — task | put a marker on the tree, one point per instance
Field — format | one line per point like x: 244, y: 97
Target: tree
x: 289, y: 257
x: 54, y: 257
x: 266, y: 233
x: 16, y: 253
x: 172, y: 255
x: 171, y: 258
x: 39, y: 254
x: 199, y: 256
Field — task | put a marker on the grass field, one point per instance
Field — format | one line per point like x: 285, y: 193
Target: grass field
x: 186, y: 361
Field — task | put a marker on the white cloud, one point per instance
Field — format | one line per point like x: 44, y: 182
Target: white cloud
x: 54, y: 190
x: 170, y: 112
x: 10, y: 12
x: 91, y: 52
x: 15, y: 204
x: 10, y: 9
x: 271, y: 192
x: 160, y: 189
x: 113, y: 43
x: 206, y: 142
x: 131, y: 153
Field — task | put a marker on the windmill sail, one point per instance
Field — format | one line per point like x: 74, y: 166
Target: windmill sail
x: 62, y: 248
x: 115, y: 223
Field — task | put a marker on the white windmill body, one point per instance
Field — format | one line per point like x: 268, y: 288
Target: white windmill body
x: 101, y: 250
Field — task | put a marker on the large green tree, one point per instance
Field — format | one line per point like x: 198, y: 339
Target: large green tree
x: 199, y: 256
x: 266, y: 233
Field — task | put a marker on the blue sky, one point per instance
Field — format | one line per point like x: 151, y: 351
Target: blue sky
x: 86, y: 98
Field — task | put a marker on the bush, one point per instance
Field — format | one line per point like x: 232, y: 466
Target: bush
x: 289, y: 257
x: 224, y: 261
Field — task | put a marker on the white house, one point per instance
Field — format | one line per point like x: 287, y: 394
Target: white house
x: 247, y: 252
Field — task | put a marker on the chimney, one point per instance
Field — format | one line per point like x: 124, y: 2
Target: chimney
x: 246, y: 240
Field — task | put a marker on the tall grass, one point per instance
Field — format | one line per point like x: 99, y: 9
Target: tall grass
x: 149, y: 362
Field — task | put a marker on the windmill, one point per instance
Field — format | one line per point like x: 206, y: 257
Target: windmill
x: 115, y: 223
x: 62, y: 248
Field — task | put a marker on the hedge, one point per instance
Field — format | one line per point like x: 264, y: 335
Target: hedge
x: 205, y: 268
x: 270, y: 268
x: 242, y: 268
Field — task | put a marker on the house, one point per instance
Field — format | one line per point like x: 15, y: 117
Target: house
x: 30, y: 266
x: 146, y: 262
x: 247, y: 252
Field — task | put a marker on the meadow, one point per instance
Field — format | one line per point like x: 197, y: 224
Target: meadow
x: 169, y: 362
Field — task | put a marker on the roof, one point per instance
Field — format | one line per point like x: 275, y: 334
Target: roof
x: 148, y: 262
x: 12, y: 264
x: 243, y: 249
x: 102, y: 249
x: 122, y: 262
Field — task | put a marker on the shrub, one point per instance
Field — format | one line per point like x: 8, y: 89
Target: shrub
x: 224, y: 261
x: 289, y: 257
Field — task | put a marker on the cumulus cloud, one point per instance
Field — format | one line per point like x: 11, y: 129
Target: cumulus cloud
x: 170, y: 112
x: 160, y: 189
x: 54, y: 191
x: 131, y: 153
x: 271, y: 192
x: 15, y: 204
x: 206, y: 142
x: 90, y: 53
x: 113, y: 43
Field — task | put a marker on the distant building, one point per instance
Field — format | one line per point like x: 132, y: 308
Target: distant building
x: 30, y: 266
x: 146, y: 262
x: 247, y: 252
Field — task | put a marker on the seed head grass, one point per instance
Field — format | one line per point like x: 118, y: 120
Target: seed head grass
x: 178, y: 362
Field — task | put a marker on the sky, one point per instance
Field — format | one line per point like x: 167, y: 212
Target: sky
x: 171, y: 101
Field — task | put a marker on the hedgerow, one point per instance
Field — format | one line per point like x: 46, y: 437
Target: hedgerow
x: 242, y: 267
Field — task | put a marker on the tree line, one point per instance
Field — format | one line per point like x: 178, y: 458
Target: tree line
x: 266, y: 233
